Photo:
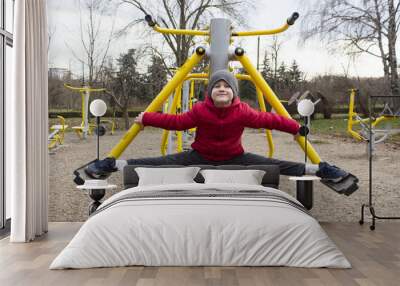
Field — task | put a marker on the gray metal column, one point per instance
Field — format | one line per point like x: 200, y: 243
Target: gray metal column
x: 220, y: 32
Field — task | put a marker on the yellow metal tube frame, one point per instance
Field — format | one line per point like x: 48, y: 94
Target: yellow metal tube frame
x: 158, y: 101
x: 352, y: 115
x: 268, y: 132
x: 180, y: 31
x: 207, y: 33
x: 58, y: 133
x: 82, y: 91
x: 261, y: 32
x: 179, y: 138
x: 273, y: 100
x: 191, y: 94
x: 172, y: 110
x: 184, y: 71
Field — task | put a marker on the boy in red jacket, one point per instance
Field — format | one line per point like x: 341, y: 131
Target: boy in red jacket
x: 220, y: 122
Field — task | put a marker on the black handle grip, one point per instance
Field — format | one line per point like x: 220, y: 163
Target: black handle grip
x: 149, y: 20
x: 293, y: 18
x: 303, y: 130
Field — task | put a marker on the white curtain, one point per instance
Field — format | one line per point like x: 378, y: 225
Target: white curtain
x: 26, y: 123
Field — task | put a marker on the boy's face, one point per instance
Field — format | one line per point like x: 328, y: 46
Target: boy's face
x: 222, y: 94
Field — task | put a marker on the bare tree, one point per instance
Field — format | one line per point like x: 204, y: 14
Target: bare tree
x: 94, y: 42
x: 273, y: 50
x: 185, y: 14
x: 125, y: 84
x: 368, y: 27
x: 271, y: 61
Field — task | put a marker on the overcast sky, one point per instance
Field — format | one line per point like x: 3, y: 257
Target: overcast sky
x: 312, y: 58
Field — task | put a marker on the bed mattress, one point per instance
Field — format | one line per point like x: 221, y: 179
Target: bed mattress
x: 201, y: 225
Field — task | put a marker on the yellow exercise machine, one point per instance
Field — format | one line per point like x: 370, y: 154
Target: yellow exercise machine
x: 86, y: 127
x: 220, y: 51
x: 220, y: 34
x: 358, y: 127
x: 57, y: 133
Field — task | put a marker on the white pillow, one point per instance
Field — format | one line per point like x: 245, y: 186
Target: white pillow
x: 249, y: 177
x: 164, y: 176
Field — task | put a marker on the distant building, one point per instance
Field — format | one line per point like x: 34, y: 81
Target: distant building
x: 60, y: 73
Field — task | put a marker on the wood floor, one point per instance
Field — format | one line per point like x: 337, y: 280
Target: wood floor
x: 374, y: 255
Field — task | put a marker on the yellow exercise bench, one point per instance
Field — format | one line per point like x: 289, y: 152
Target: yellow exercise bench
x: 57, y: 133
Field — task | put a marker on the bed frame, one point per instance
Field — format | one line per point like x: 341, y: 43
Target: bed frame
x: 270, y: 179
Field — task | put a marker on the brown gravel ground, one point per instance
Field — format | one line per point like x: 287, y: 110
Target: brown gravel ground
x: 70, y: 204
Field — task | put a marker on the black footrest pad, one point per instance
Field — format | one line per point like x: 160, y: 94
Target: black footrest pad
x: 346, y: 186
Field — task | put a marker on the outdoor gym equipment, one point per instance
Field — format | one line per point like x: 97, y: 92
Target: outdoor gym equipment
x: 220, y: 52
x: 86, y: 127
x: 380, y: 125
x: 57, y: 133
x: 370, y: 204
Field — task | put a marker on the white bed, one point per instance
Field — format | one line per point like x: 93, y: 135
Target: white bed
x: 184, y: 230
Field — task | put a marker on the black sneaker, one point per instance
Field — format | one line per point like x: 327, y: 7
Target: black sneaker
x: 331, y: 172
x: 101, y: 169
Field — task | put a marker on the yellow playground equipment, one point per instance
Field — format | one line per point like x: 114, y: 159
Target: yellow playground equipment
x: 86, y: 127
x: 381, y: 125
x: 219, y: 48
x: 220, y: 53
x: 57, y: 133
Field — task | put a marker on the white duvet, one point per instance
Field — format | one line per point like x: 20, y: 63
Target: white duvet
x: 183, y: 231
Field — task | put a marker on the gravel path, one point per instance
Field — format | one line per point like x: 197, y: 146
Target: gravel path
x: 70, y: 204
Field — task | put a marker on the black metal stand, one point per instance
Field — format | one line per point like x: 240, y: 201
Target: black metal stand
x: 96, y: 195
x: 370, y: 204
x: 304, y: 193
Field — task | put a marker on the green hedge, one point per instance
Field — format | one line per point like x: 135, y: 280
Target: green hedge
x: 134, y: 113
x: 77, y: 114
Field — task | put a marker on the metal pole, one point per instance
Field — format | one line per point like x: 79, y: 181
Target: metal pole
x: 370, y: 152
x: 305, y: 139
x: 220, y: 34
x: 258, y: 53
x: 98, y: 136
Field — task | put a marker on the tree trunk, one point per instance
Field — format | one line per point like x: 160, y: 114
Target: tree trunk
x: 378, y: 25
x: 126, y: 117
x: 392, y: 37
x: 181, y: 38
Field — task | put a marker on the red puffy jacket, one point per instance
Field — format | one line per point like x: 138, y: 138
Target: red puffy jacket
x: 219, y: 130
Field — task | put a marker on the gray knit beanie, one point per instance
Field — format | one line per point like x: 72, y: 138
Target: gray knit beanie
x: 228, y: 77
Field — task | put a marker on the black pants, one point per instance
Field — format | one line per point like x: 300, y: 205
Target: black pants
x: 192, y: 157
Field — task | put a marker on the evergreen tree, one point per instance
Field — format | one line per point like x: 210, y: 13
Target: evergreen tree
x: 156, y: 77
x: 246, y: 88
x: 295, y: 75
x: 282, y: 76
x: 267, y: 71
x: 124, y: 85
